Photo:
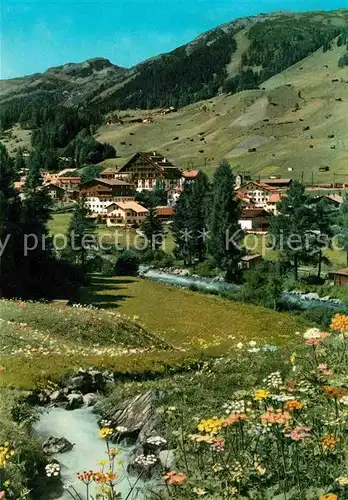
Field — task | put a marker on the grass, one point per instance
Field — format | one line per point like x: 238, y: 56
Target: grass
x: 187, y: 319
x: 124, y: 237
x: 45, y: 342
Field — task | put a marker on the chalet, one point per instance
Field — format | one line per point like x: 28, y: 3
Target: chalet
x: 125, y: 213
x: 272, y: 202
x: 54, y: 191
x: 144, y: 169
x: 109, y: 173
x: 99, y: 193
x: 250, y: 261
x: 189, y: 175
x: 165, y: 214
x: 254, y: 220
x: 257, y: 192
x: 340, y: 277
x: 278, y: 183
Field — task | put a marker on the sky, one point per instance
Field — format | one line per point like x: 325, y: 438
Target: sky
x: 38, y: 34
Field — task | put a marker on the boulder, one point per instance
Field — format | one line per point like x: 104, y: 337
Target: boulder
x: 58, y: 396
x: 167, y: 459
x: 75, y: 401
x: 54, y: 445
x: 90, y: 399
x: 133, y: 417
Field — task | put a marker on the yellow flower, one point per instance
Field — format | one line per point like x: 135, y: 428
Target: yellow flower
x: 211, y: 425
x: 342, y: 481
x: 261, y: 394
x: 105, y: 432
x: 340, y: 322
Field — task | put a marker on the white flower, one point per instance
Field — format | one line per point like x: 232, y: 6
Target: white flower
x: 344, y: 400
x: 274, y: 380
x: 121, y: 428
x: 252, y: 343
x: 156, y: 440
x: 312, y: 333
x: 240, y: 345
x: 52, y: 469
x: 146, y: 460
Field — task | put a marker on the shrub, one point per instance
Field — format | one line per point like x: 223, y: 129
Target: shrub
x: 127, y: 263
x: 107, y: 268
x: 320, y: 315
x: 263, y: 285
x: 206, y: 269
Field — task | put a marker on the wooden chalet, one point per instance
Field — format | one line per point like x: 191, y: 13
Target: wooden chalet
x: 144, y: 169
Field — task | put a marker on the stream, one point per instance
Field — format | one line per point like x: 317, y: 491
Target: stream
x: 80, y: 427
x: 294, y: 298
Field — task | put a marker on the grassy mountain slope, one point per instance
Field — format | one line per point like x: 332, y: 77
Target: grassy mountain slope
x: 271, y: 119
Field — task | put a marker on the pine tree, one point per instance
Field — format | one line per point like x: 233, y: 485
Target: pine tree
x: 225, y: 234
x: 342, y: 225
x: 152, y: 228
x: 198, y: 215
x: 181, y: 225
x: 19, y: 162
x: 291, y: 228
x: 80, y: 234
x: 11, y: 242
x: 323, y: 215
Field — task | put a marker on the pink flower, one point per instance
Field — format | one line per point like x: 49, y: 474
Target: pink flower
x: 299, y: 433
x: 322, y: 366
x: 2, y: 494
x: 312, y: 342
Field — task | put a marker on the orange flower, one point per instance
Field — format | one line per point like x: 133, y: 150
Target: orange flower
x: 235, y: 417
x: 340, y: 323
x: 173, y: 477
x: 2, y: 369
x: 275, y: 417
x: 293, y: 405
x: 330, y: 496
x: 329, y: 442
x: 332, y: 392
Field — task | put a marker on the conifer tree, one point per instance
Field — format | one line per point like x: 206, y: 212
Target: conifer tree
x: 11, y: 249
x: 181, y: 225
x: 198, y: 215
x: 152, y: 228
x: 225, y: 234
x: 291, y: 228
x: 80, y: 234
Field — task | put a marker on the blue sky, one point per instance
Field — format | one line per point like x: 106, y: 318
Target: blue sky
x: 37, y: 34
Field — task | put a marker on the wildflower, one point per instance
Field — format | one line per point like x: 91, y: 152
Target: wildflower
x: 146, y: 460
x: 315, y: 333
x: 112, y: 452
x: 261, y: 394
x: 121, y: 428
x: 293, y: 405
x: 236, y: 471
x: 235, y: 417
x: 344, y: 400
x: 332, y: 392
x: 211, y: 425
x: 217, y: 468
x: 342, y: 480
x: 173, y: 477
x: 105, y: 432
x: 275, y: 417
x: 329, y: 442
x: 52, y: 469
x: 312, y: 342
x: 270, y: 347
x: 252, y: 343
x: 339, y: 323
x: 274, y: 380
x: 240, y: 345
x: 299, y: 433
x: 2, y: 494
x: 85, y: 476
x: 330, y: 496
x: 199, y: 492
x: 218, y: 444
x: 156, y: 440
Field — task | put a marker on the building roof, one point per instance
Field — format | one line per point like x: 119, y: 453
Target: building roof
x: 190, y: 174
x: 343, y: 272
x: 248, y: 258
x: 274, y: 198
x: 252, y: 213
x: 129, y: 205
x: 106, y: 182
x: 162, y: 211
x: 277, y: 182
x: 63, y: 173
x: 109, y: 170
x: 66, y: 180
x: 155, y: 158
x: 335, y: 197
x: 260, y: 185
